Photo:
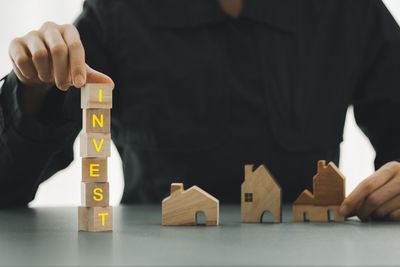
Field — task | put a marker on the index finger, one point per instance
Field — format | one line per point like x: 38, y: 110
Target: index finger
x: 76, y: 54
x: 370, y: 184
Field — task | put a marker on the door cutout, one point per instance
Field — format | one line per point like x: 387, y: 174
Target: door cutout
x: 306, y: 216
x: 201, y: 218
x: 266, y: 217
x: 331, y: 216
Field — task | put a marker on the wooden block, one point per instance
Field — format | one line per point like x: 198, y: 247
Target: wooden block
x: 95, y: 145
x: 316, y: 213
x: 260, y: 193
x: 96, y: 95
x: 329, y: 192
x: 181, y: 207
x: 96, y: 120
x: 95, y: 194
x: 94, y: 170
x: 95, y: 219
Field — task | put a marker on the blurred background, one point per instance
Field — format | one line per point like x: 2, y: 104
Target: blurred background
x: 17, y: 17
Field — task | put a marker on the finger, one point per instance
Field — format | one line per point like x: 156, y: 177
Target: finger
x: 40, y: 56
x: 59, y: 54
x: 395, y: 215
x: 379, y: 197
x: 370, y: 184
x: 76, y: 55
x: 22, y: 59
x: 387, y: 208
x: 94, y: 76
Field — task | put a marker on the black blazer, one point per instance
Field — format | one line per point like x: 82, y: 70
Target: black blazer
x: 198, y: 94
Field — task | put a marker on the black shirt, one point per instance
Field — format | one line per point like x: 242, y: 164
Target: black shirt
x: 199, y: 94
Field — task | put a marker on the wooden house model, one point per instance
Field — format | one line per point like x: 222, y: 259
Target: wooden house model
x: 182, y: 206
x: 260, y: 193
x: 329, y: 193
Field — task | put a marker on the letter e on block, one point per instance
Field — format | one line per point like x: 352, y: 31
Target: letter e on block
x: 95, y: 219
x: 96, y: 95
x: 94, y: 169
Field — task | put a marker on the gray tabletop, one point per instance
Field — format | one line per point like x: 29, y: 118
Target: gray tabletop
x: 49, y: 237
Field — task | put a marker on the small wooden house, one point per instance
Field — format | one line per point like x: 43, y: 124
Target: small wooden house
x: 182, y: 206
x: 329, y: 193
x: 260, y: 193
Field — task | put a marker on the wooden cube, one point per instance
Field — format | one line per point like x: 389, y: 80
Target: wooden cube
x: 96, y: 120
x: 95, y: 145
x: 95, y: 194
x: 95, y: 219
x: 96, y: 95
x: 94, y: 169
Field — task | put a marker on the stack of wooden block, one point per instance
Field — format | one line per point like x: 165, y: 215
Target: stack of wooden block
x: 95, y: 214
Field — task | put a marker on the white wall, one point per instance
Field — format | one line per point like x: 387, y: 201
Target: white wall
x: 17, y: 17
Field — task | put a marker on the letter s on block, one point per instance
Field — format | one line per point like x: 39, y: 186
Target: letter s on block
x: 98, y: 192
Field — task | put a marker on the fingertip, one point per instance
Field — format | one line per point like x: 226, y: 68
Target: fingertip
x: 79, y: 81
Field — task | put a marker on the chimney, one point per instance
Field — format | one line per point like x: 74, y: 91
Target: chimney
x: 321, y: 165
x: 248, y: 170
x: 175, y: 187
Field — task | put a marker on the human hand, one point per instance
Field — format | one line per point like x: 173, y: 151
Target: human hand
x: 52, y: 55
x: 377, y: 197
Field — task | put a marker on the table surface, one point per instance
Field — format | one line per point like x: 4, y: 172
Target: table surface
x: 49, y: 237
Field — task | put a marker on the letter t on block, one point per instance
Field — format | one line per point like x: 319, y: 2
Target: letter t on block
x: 95, y: 219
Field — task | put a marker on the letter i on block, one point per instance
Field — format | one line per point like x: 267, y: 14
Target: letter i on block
x: 95, y: 214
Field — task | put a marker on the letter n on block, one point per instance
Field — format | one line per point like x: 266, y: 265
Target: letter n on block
x: 95, y: 219
x: 95, y: 145
x: 96, y: 120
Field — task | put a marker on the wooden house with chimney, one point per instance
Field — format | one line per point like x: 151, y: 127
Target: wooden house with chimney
x: 329, y: 193
x: 182, y: 206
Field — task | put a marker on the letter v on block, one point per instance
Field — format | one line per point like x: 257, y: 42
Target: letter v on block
x: 96, y: 145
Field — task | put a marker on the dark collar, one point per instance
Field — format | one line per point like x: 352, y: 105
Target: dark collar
x: 278, y: 14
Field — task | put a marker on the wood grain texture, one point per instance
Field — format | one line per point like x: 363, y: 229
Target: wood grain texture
x: 92, y: 98
x: 329, y: 191
x: 95, y: 145
x: 96, y: 120
x: 95, y: 194
x: 316, y: 213
x: 94, y: 170
x: 181, y: 206
x: 95, y: 219
x: 260, y: 193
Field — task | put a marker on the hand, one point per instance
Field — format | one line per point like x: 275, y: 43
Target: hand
x: 52, y: 55
x: 378, y: 196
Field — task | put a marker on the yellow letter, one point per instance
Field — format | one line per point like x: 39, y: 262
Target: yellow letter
x: 102, y: 217
x: 92, y: 169
x: 99, y: 122
x: 98, y: 194
x: 95, y: 144
x: 100, y: 95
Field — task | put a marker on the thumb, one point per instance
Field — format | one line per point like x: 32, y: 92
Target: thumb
x: 94, y: 76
